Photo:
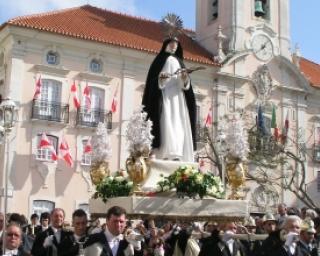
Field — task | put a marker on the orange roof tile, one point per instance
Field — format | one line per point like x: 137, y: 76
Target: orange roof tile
x: 311, y: 71
x: 95, y: 24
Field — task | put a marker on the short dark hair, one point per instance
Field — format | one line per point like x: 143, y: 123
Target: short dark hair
x: 34, y: 215
x: 79, y: 213
x: 116, y: 211
x: 16, y: 218
x: 44, y: 215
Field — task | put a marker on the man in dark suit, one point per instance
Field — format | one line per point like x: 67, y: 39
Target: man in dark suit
x: 32, y: 227
x: 13, y: 241
x: 305, y: 244
x: 111, y: 242
x: 74, y: 242
x: 44, y: 223
x: 47, y: 242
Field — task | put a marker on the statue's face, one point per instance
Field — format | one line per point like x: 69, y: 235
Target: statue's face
x: 172, y: 47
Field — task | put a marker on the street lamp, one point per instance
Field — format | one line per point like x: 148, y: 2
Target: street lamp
x: 8, y: 114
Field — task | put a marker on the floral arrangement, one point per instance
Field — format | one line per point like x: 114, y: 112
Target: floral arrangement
x: 191, y: 182
x: 113, y: 186
x: 138, y: 133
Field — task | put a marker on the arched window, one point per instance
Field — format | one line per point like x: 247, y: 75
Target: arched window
x: 45, y: 154
x: 96, y: 66
x: 40, y: 206
x: 53, y: 58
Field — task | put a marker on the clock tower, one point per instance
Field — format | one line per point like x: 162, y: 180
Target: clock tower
x: 260, y: 26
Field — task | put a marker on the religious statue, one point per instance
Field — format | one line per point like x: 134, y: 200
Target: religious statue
x: 170, y: 104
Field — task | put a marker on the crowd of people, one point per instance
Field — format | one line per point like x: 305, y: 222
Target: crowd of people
x: 290, y: 232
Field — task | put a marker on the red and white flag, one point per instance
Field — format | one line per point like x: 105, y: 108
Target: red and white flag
x: 114, y: 102
x: 64, y: 151
x: 74, y: 92
x: 45, y: 143
x: 37, y: 92
x: 88, y: 147
x: 208, y: 118
x: 87, y: 96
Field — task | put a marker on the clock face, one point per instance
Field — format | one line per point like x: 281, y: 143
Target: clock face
x: 262, y: 47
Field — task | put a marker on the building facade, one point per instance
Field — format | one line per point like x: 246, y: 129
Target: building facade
x: 111, y: 53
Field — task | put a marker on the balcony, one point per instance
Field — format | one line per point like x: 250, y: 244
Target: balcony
x: 92, y: 117
x: 50, y: 111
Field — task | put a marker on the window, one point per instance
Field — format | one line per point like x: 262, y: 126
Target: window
x: 213, y: 10
x: 96, y: 113
x: 44, y: 154
x: 50, y: 98
x: 1, y: 59
x: 53, y: 58
x: 261, y: 8
x: 293, y: 115
x: 86, y: 157
x: 85, y: 207
x: 96, y: 66
x: 40, y: 206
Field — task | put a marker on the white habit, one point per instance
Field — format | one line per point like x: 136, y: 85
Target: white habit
x: 176, y: 136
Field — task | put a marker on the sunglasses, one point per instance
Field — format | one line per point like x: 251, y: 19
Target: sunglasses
x: 13, y: 235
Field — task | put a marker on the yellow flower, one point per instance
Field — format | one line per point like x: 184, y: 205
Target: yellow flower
x: 198, y: 178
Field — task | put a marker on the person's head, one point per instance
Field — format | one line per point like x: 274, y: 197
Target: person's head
x: 172, y: 46
x: 282, y: 209
x: 231, y: 227
x: 116, y: 220
x: 269, y: 223
x: 167, y: 227
x: 307, y: 231
x: 15, y: 218
x: 292, y: 223
x: 57, y: 217
x: 250, y: 224
x: 310, y: 213
x: 211, y: 226
x: 79, y: 222
x: 34, y: 219
x: 13, y: 236
x: 1, y: 221
x: 45, y: 219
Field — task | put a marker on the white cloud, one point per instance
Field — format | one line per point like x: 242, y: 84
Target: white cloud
x: 11, y: 9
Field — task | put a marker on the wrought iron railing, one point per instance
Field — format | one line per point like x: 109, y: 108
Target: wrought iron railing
x: 200, y: 133
x: 92, y: 117
x: 50, y: 111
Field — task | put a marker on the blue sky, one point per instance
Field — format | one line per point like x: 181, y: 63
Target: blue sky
x: 304, y: 23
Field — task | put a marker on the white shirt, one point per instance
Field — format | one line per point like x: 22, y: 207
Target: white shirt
x: 57, y: 233
x: 11, y: 252
x: 113, y: 241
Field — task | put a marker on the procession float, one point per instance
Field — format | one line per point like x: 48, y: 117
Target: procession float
x: 161, y: 179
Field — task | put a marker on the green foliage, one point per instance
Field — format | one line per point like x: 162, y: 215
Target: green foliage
x: 191, y: 182
x: 113, y: 187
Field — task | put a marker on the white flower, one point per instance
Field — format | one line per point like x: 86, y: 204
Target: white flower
x: 110, y: 178
x: 130, y: 183
x: 158, y: 188
x: 199, y: 179
x: 119, y: 178
x: 166, y: 188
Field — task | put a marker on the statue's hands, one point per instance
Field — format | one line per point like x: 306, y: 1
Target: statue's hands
x: 184, y: 74
x: 164, y: 75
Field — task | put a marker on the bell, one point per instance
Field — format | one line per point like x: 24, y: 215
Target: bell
x: 258, y: 9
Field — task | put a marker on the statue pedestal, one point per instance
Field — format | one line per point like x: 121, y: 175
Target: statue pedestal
x: 174, y: 208
x: 164, y: 167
